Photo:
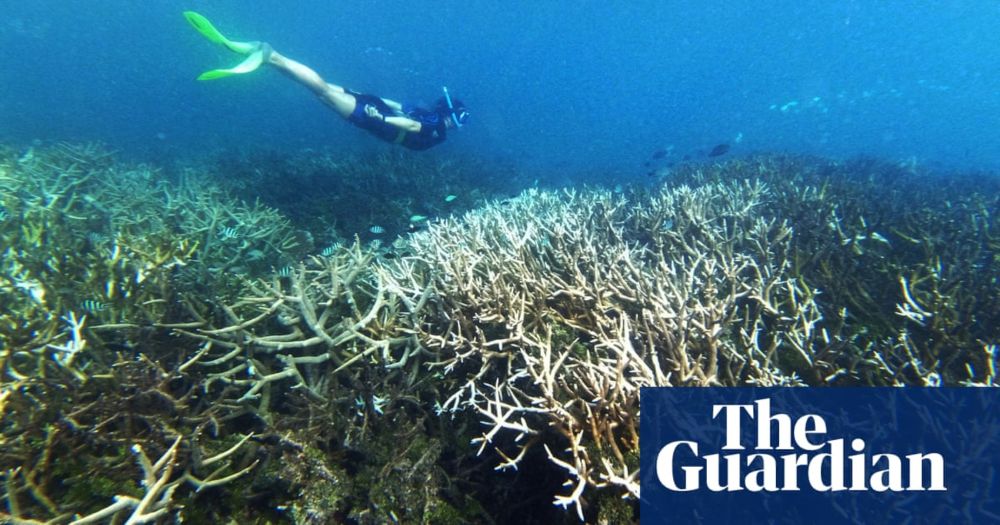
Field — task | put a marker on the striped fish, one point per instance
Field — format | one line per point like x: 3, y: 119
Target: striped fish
x: 228, y: 233
x: 376, y: 229
x: 330, y: 250
x: 93, y: 306
x: 285, y: 272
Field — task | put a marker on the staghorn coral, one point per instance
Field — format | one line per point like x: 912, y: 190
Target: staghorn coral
x: 98, y: 256
x: 527, y: 326
x: 906, y: 260
x: 91, y: 365
x: 116, y: 242
x: 552, y: 313
x: 66, y: 443
x: 324, y: 354
x: 332, y: 314
x: 545, y: 315
x: 59, y: 271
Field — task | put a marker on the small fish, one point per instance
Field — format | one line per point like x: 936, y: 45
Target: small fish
x: 376, y: 229
x: 659, y: 154
x: 413, y: 228
x: 285, y: 272
x: 228, y: 233
x: 93, y: 306
x: 719, y: 149
x: 417, y: 218
x: 450, y: 198
x: 389, y: 254
x: 330, y: 250
x: 619, y: 188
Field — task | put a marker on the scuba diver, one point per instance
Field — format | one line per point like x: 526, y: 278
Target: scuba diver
x: 409, y: 126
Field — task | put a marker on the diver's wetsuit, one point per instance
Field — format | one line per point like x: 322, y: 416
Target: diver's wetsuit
x: 432, y: 128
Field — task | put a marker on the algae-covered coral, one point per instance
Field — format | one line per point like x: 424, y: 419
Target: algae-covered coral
x: 170, y: 351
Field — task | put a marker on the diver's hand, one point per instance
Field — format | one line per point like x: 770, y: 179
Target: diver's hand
x: 372, y: 112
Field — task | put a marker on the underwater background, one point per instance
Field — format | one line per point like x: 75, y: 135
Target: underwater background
x: 220, y: 302
x: 553, y: 84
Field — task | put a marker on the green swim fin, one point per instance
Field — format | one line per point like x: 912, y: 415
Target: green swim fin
x: 253, y: 49
x: 251, y: 63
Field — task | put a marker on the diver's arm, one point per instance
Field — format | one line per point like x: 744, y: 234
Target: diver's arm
x: 404, y: 123
x: 396, y: 106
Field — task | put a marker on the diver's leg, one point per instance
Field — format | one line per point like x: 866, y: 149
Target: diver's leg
x: 331, y: 94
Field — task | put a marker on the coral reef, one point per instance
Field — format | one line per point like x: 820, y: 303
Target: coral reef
x: 171, y: 352
x: 552, y: 312
x: 906, y: 261
x: 114, y: 276
x: 99, y: 259
x: 115, y: 242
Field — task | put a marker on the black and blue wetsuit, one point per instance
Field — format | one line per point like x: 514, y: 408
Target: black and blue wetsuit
x: 432, y: 128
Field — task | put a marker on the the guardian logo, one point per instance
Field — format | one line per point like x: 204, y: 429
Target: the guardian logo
x: 791, y: 455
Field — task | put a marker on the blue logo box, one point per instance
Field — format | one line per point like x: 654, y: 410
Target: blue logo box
x: 819, y: 455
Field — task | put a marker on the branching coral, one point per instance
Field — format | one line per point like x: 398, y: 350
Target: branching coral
x: 906, y: 261
x: 159, y: 484
x: 546, y: 314
x: 65, y: 442
x: 552, y: 312
x: 86, y: 235
x: 332, y: 314
x: 172, y: 318
x: 97, y: 257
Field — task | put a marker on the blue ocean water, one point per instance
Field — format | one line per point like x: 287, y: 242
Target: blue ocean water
x: 550, y: 84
